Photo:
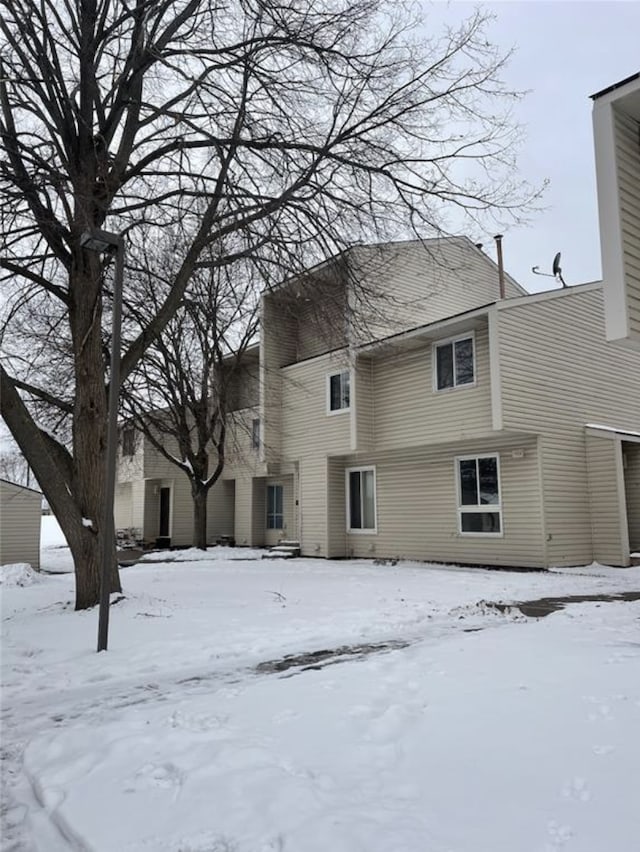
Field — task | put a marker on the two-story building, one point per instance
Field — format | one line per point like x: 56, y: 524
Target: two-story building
x: 402, y: 408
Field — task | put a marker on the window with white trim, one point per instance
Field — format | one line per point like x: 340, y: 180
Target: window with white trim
x: 479, y: 506
x: 455, y: 363
x: 361, y: 499
x: 128, y: 441
x: 255, y: 434
x: 339, y: 391
x: 275, y: 512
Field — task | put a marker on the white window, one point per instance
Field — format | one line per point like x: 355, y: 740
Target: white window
x: 128, y: 441
x: 455, y: 363
x: 338, y: 392
x: 361, y: 499
x: 275, y: 513
x: 479, y: 506
x: 255, y: 434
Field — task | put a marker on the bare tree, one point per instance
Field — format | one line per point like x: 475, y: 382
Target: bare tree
x: 14, y: 468
x: 297, y: 124
x: 195, y: 374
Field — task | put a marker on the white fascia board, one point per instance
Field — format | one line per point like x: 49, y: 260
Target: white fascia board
x: 616, y: 318
x: 611, y: 432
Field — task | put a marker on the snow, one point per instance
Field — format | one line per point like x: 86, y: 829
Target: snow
x: 87, y: 522
x: 55, y: 557
x: 487, y: 731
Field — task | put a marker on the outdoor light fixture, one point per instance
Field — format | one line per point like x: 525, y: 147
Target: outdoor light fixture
x: 102, y: 242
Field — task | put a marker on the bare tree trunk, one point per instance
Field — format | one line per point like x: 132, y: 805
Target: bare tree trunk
x: 200, y: 518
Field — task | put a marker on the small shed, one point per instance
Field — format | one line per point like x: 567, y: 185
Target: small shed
x: 20, y: 519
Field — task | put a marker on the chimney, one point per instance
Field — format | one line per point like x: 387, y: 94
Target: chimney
x: 498, y: 239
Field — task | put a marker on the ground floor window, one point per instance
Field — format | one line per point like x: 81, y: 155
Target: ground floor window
x: 275, y: 513
x: 479, y: 506
x: 361, y: 499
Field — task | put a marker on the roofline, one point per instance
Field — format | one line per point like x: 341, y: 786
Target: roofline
x: 390, y: 244
x: 23, y: 487
x: 410, y: 333
x: 518, y: 301
x: 472, y: 313
x: 615, y: 86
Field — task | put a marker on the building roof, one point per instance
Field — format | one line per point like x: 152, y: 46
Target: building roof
x: 615, y: 86
x: 4, y: 482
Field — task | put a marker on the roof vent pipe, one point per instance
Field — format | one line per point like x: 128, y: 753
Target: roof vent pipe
x: 498, y: 239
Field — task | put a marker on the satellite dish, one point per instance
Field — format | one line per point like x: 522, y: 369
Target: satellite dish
x: 557, y: 271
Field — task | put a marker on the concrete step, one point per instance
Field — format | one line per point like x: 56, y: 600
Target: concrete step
x: 283, y: 550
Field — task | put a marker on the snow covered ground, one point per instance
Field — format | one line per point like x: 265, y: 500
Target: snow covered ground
x: 485, y: 732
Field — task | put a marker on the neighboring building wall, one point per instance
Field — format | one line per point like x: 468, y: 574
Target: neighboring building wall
x: 557, y: 374
x: 608, y: 514
x: 20, y: 519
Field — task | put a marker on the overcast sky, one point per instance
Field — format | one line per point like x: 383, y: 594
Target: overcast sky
x: 564, y: 52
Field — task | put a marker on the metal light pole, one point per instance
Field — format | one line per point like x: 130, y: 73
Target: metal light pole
x: 103, y: 242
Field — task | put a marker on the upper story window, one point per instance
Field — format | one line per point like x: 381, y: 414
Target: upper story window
x: 255, y: 434
x: 455, y: 362
x: 128, y: 441
x: 479, y: 506
x: 339, y: 391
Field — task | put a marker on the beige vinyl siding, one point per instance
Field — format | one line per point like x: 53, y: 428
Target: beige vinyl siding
x: 363, y: 415
x: 405, y: 285
x: 337, y: 513
x: 306, y: 425
x: 181, y: 521
x: 607, y: 513
x: 20, y: 519
x: 321, y: 319
x: 258, y: 514
x: 408, y: 411
x: 221, y: 510
x: 558, y: 374
x: 151, y: 512
x: 123, y: 506
x: 244, y: 495
x: 631, y: 470
x: 627, y: 133
x: 244, y: 387
x: 241, y: 457
x: 417, y: 507
x: 313, y: 506
x: 138, y: 490
x: 277, y: 347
